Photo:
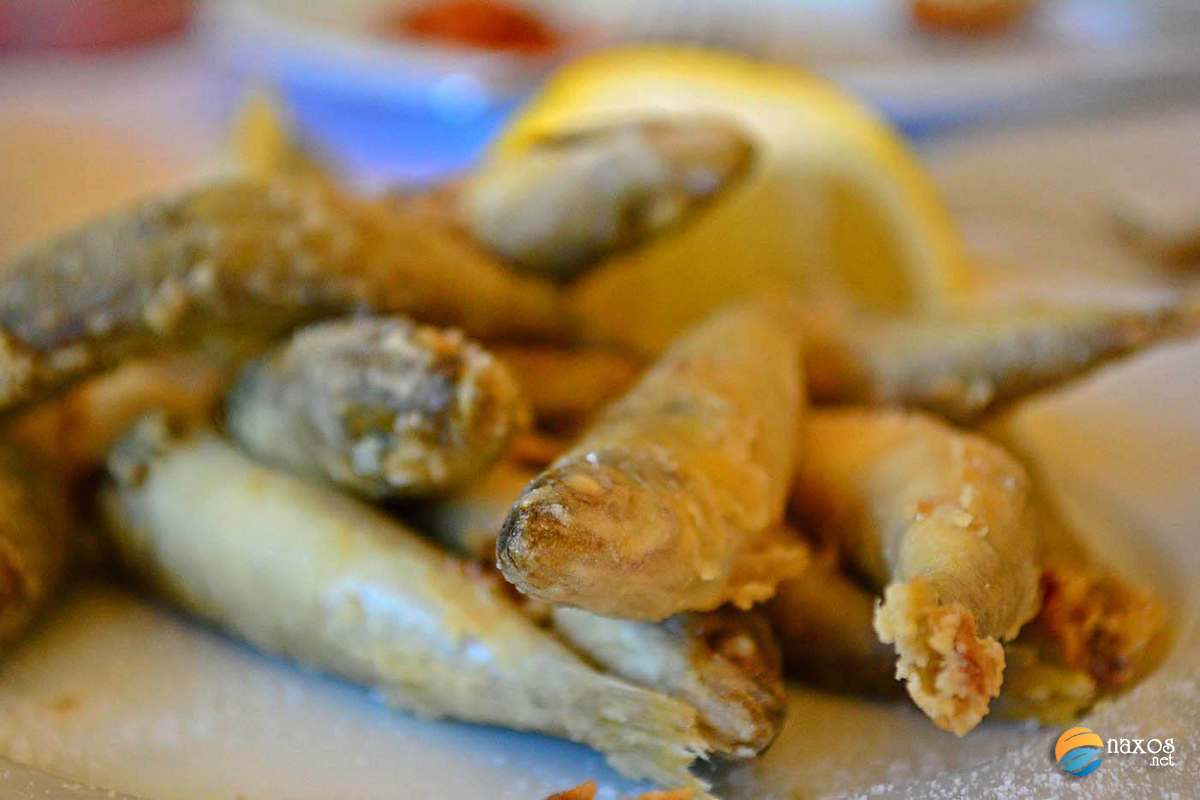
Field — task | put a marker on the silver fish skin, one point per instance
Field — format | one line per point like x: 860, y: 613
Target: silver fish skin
x: 302, y: 570
x: 572, y: 200
x: 243, y: 255
x: 378, y: 405
x: 965, y: 365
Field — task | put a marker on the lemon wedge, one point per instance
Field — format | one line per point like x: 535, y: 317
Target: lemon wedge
x: 263, y: 140
x: 836, y: 204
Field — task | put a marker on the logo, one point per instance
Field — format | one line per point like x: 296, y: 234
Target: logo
x: 1079, y: 751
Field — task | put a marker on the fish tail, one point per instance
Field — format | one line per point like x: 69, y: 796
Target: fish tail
x: 642, y: 733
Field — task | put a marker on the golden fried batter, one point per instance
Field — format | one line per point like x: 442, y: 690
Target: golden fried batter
x: 673, y: 499
x: 940, y: 521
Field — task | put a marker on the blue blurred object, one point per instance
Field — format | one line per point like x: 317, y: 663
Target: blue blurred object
x: 392, y: 111
x: 378, y: 145
x: 384, y: 110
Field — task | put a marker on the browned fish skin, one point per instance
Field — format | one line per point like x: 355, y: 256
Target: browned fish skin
x: 573, y: 199
x: 379, y: 405
x: 266, y: 255
x: 942, y: 522
x: 823, y: 621
x: 963, y: 366
x: 566, y: 387
x: 36, y: 527
x: 673, y: 500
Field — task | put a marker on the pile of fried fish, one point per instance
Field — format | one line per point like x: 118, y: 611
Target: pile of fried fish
x: 369, y: 435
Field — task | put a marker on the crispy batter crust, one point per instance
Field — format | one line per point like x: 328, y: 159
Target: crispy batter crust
x: 1094, y: 621
x: 379, y: 405
x: 940, y: 520
x: 950, y: 671
x: 672, y: 501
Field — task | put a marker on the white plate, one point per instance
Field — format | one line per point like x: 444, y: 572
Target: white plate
x: 118, y: 693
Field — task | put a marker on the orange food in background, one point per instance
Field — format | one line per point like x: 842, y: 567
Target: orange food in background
x: 969, y: 16
x: 486, y: 24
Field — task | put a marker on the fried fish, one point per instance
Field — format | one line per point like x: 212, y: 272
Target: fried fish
x: 970, y: 363
x: 939, y: 521
x: 672, y: 500
x: 572, y: 199
x: 823, y: 621
x: 725, y: 663
x: 300, y: 569
x: 379, y: 405
x: 238, y: 256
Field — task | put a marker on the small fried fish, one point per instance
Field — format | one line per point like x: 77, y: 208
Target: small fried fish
x: 672, y: 501
x: 379, y: 405
x: 941, y: 522
x: 1092, y: 619
x: 300, y: 569
x: 823, y: 621
x: 238, y: 255
x: 965, y: 365
x: 724, y: 663
x: 571, y: 200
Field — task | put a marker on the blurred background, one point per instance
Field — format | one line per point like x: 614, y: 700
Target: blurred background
x: 102, y: 100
